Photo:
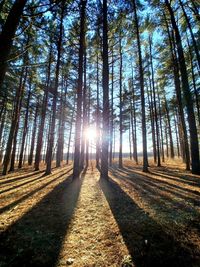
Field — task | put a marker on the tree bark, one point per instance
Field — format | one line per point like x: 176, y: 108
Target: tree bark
x: 70, y: 134
x: 120, y: 106
x: 196, y: 49
x: 54, y: 104
x: 43, y: 115
x: 25, y: 128
x: 30, y: 158
x: 76, y: 166
x: 15, y: 119
x: 105, y: 82
x: 8, y: 33
x: 170, y: 130
x: 97, y: 119
x: 12, y: 162
x: 154, y: 103
x: 112, y: 111
x: 194, y: 145
x: 144, y: 133
x: 84, y: 125
x: 184, y: 135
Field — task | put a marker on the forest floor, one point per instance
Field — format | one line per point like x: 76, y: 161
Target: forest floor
x: 133, y: 219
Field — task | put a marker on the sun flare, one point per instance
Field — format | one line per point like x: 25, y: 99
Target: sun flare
x: 90, y: 134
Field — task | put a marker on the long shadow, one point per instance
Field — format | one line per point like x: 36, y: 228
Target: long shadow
x: 11, y: 174
x: 12, y: 187
x: 146, y: 240
x: 21, y: 177
x: 156, y: 197
x: 169, y: 173
x: 169, y: 202
x: 11, y: 205
x: 181, y: 178
x: 152, y: 180
x: 36, y: 238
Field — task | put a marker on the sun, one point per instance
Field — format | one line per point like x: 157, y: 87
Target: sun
x: 91, y: 134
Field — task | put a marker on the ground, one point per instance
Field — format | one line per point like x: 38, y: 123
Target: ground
x: 131, y: 219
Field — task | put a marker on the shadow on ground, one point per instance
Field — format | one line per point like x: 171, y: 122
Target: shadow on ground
x: 147, y: 241
x: 36, y: 238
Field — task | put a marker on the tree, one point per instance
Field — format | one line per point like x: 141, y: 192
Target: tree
x: 194, y: 145
x: 144, y: 134
x: 55, y: 93
x: 105, y: 83
x: 8, y: 33
x: 77, y: 154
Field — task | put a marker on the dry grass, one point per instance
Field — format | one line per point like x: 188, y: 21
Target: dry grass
x: 54, y: 221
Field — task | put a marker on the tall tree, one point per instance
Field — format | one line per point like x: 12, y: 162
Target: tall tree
x: 105, y: 82
x: 141, y: 74
x: 15, y: 117
x: 194, y: 145
x: 7, y: 34
x: 77, y: 154
x: 120, y: 104
x: 43, y: 112
x: 55, y: 93
x: 25, y: 129
x: 196, y: 49
x: 32, y: 147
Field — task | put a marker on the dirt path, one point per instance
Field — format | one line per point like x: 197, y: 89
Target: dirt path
x: 93, y: 238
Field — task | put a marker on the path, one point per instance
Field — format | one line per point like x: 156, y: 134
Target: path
x: 93, y: 237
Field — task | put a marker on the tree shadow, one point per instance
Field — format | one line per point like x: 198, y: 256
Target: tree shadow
x: 27, y: 181
x: 31, y: 193
x: 169, y: 202
x: 36, y: 238
x: 147, y: 241
x: 165, y: 184
x: 8, y: 180
x: 172, y: 173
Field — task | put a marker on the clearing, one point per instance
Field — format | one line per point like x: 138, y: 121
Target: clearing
x: 153, y: 218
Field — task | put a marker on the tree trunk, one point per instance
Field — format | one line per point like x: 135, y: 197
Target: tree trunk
x: 196, y: 49
x: 3, y: 119
x: 12, y: 162
x: 54, y: 104
x: 177, y: 139
x: 43, y: 115
x: 144, y: 133
x: 151, y: 111
x: 184, y: 135
x: 76, y: 167
x: 194, y: 145
x: 161, y: 127
x: 170, y: 130
x: 25, y: 128
x: 129, y: 137
x: 166, y: 139
x: 84, y: 125
x: 97, y: 118
x: 105, y: 82
x: 70, y: 134
x: 60, y: 143
x: 120, y: 105
x: 7, y: 35
x: 154, y: 103
x: 88, y: 125
x: 194, y: 82
x: 30, y: 158
x: 112, y: 111
x: 134, y: 129
x: 15, y: 119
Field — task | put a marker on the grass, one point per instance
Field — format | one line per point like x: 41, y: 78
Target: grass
x: 133, y: 219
